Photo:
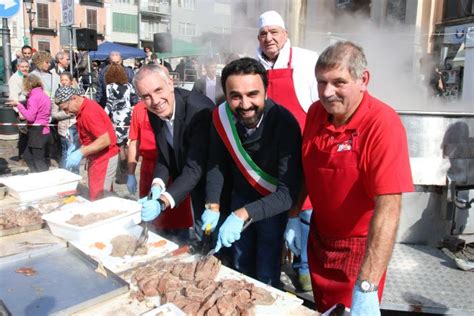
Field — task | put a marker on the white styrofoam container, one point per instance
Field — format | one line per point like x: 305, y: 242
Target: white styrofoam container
x: 35, y: 186
x: 168, y: 309
x: 107, y: 227
x: 120, y: 264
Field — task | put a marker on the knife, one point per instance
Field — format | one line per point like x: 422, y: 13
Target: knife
x: 213, y: 250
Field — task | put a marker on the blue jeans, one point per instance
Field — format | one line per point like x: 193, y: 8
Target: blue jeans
x: 258, y: 251
x: 302, y: 264
x: 66, y: 142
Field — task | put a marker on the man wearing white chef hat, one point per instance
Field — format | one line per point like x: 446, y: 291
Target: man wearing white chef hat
x: 291, y: 83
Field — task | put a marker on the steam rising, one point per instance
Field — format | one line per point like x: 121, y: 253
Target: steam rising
x: 400, y: 74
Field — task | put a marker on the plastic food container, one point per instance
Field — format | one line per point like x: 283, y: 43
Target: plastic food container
x: 107, y: 227
x: 168, y: 309
x: 40, y: 185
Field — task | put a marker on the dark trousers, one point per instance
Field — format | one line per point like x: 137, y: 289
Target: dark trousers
x: 258, y: 251
x: 35, y: 159
x: 22, y: 143
x: 35, y: 152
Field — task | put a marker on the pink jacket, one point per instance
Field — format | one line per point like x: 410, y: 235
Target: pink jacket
x: 38, y: 108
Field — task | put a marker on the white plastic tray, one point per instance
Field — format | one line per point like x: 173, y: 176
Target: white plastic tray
x: 119, y: 264
x: 168, y: 309
x: 40, y: 185
x: 102, y: 229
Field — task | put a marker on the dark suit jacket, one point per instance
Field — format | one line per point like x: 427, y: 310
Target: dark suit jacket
x: 187, y: 162
x: 200, y: 86
x: 276, y: 148
x: 101, y: 94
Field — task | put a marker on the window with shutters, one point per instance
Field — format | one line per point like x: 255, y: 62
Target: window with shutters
x: 126, y: 23
x: 91, y: 16
x: 187, y: 29
x: 187, y: 4
x: 42, y: 15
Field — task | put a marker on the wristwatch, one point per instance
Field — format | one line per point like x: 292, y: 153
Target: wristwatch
x: 366, y: 287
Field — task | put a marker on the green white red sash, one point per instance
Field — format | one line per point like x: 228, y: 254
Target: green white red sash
x: 224, y: 122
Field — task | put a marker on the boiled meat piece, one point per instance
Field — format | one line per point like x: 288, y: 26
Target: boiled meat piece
x: 207, y: 268
x: 168, y: 283
x: 213, y: 311
x: 192, y: 308
x: 188, y: 271
x: 193, y: 293
x: 226, y: 306
x: 178, y: 268
x: 261, y: 296
x: 243, y: 300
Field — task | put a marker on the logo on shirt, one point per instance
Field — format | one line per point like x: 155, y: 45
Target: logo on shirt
x: 345, y: 146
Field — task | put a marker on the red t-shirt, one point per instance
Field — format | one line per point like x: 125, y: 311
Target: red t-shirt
x: 92, y: 122
x: 140, y: 130
x: 347, y: 167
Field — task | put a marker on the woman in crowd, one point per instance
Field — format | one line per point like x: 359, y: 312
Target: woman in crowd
x: 66, y: 125
x: 121, y: 96
x: 42, y: 61
x: 15, y: 92
x: 38, y: 112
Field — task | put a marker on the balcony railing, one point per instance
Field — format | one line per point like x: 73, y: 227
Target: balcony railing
x: 155, y: 7
x: 45, y: 25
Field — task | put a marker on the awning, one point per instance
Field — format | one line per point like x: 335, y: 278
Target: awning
x: 182, y: 48
x: 104, y: 49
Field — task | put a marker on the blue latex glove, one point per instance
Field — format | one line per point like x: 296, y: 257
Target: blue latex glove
x: 151, y: 208
x: 293, y: 235
x: 364, y: 304
x: 209, y: 217
x: 74, y: 159
x: 131, y: 183
x: 229, y: 231
x: 70, y: 149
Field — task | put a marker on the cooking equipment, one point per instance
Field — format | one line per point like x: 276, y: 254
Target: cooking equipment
x: 65, y: 282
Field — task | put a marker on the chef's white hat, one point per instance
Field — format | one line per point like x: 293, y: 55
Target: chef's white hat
x: 270, y: 18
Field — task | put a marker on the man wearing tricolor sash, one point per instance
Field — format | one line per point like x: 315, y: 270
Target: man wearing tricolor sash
x: 258, y: 143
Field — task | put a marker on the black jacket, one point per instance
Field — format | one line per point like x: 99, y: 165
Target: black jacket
x: 186, y: 163
x: 200, y: 86
x: 276, y: 148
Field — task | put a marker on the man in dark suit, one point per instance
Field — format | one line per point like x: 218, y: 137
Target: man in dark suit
x: 180, y: 120
x: 101, y: 95
x: 210, y: 85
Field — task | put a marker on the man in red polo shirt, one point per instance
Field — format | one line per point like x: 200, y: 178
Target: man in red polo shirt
x: 97, y: 136
x: 356, y: 166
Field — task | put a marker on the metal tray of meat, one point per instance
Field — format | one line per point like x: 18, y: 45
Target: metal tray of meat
x: 43, y: 206
x: 20, y: 229
x: 65, y: 282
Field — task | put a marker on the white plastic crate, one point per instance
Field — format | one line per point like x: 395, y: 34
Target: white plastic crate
x: 107, y: 227
x: 35, y: 186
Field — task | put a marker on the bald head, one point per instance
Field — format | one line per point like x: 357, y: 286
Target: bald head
x: 115, y: 58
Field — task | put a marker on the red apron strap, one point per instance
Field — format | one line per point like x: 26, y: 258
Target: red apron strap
x: 291, y: 56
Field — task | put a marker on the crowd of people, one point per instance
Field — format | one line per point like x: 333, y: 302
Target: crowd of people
x: 287, y: 147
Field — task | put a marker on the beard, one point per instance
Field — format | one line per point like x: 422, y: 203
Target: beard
x: 252, y: 121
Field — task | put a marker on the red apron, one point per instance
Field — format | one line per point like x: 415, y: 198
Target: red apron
x: 337, y: 238
x: 281, y: 89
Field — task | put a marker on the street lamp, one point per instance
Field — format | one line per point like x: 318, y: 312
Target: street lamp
x: 31, y: 17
